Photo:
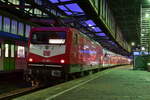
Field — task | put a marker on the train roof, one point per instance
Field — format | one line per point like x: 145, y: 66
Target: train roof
x: 61, y: 29
x: 51, y: 28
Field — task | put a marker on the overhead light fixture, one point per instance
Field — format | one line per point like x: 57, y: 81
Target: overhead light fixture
x: 132, y: 44
x: 100, y: 34
x: 142, y: 48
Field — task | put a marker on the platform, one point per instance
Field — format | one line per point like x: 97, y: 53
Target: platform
x: 121, y: 83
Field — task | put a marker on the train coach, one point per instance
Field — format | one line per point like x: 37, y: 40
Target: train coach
x: 60, y: 52
x: 14, y: 33
x: 111, y: 59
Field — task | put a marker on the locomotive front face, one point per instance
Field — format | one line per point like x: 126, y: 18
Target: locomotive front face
x: 47, y: 45
x: 47, y: 50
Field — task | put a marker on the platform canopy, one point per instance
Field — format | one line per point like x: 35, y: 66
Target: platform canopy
x: 85, y: 15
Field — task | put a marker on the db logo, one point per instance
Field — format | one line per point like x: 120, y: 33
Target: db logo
x: 46, y: 53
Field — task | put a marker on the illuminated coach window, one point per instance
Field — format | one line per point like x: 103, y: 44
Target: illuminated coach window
x: 6, y: 24
x: 21, y: 52
x: 27, y: 30
x: 20, y: 29
x: 0, y: 50
x: 14, y: 27
x: 6, y: 50
x: 12, y: 51
x: 0, y: 23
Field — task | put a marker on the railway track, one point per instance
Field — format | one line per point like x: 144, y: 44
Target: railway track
x: 19, y: 92
x: 23, y: 91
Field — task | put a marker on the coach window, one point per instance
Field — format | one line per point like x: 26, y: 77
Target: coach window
x: 6, y: 50
x: 12, y: 51
x: 27, y: 30
x: 20, y: 29
x: 6, y: 24
x: 0, y: 50
x: 0, y: 23
x: 21, y: 52
x: 14, y: 27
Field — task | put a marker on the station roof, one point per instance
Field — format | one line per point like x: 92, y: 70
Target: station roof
x: 126, y: 13
x: 128, y: 16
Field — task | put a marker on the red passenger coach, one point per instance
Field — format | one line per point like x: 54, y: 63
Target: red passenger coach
x: 57, y: 52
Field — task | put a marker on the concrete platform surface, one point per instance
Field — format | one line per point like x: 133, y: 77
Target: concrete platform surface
x: 120, y: 83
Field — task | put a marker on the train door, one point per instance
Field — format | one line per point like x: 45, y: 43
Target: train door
x: 1, y: 57
x: 21, y: 63
x: 9, y: 56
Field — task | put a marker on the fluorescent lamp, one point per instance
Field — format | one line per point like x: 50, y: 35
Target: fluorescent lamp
x: 56, y: 41
x: 133, y: 44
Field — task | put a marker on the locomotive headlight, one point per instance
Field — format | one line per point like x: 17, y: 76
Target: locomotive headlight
x: 62, y: 61
x: 30, y: 59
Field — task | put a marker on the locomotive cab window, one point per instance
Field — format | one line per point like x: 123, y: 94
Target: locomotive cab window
x: 48, y: 37
x: 0, y: 50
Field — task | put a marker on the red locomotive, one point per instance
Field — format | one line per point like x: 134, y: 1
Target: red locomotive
x: 58, y: 52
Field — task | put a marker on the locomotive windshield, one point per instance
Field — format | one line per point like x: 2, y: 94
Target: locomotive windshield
x: 48, y: 37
